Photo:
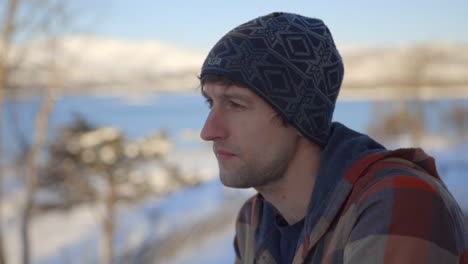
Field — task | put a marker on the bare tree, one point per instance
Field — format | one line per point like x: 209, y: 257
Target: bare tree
x: 20, y: 22
x: 40, y: 133
x: 5, y: 43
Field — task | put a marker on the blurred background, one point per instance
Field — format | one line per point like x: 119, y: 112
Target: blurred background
x: 100, y: 156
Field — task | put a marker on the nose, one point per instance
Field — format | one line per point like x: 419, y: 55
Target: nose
x: 214, y: 127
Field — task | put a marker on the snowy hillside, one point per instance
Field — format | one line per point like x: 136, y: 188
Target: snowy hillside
x: 99, y: 65
x: 427, y: 63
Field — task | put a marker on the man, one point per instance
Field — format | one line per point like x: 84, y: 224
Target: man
x: 326, y: 194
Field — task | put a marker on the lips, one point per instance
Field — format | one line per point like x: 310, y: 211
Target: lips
x: 223, y: 154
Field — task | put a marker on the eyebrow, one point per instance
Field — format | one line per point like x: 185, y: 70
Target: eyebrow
x: 241, y: 97
x: 228, y: 95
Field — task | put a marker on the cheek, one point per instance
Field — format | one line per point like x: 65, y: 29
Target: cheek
x: 255, y: 130
x: 257, y: 134
x: 252, y: 138
x: 262, y: 137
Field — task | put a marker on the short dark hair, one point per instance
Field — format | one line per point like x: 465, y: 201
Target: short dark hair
x: 217, y: 78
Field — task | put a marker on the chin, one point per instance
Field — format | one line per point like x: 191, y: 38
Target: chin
x: 233, y: 183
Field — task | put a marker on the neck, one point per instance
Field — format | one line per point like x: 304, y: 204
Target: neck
x: 291, y: 194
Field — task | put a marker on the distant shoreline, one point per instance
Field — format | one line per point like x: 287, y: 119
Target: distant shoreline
x: 362, y: 93
x: 393, y: 93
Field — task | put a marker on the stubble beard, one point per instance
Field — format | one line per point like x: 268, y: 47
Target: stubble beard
x: 257, y: 174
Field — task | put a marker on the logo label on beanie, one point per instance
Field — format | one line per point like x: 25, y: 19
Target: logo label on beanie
x: 214, y: 61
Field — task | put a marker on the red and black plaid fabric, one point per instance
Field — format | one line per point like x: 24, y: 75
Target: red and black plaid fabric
x: 389, y: 207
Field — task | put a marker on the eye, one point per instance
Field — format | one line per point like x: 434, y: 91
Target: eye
x: 234, y: 105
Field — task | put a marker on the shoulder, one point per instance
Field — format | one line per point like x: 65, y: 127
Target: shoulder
x: 397, y: 175
x: 402, y: 184
x: 404, y: 206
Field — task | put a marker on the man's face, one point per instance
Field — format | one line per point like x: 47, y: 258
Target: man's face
x: 252, y: 145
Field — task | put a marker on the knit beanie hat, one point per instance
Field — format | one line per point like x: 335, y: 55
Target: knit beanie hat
x: 288, y: 60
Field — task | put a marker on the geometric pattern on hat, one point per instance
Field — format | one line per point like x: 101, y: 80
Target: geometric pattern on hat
x: 290, y: 61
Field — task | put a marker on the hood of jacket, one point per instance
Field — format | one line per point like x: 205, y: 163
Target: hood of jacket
x: 346, y: 156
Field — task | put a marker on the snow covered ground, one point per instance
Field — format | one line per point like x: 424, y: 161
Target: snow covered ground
x: 194, y: 225
x: 73, y: 236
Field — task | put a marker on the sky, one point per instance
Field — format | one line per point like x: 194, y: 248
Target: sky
x: 199, y: 24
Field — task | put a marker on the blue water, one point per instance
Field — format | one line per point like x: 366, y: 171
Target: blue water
x: 172, y: 113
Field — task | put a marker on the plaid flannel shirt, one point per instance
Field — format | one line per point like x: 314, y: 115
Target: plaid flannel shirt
x: 388, y: 207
